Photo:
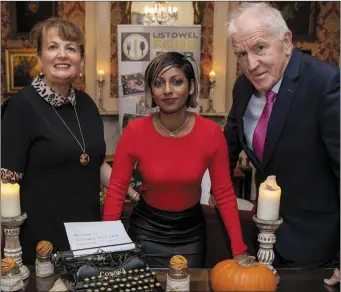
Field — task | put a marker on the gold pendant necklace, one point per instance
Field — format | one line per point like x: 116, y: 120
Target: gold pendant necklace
x: 171, y: 134
x: 84, y: 158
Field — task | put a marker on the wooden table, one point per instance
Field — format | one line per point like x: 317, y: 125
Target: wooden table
x: 292, y: 280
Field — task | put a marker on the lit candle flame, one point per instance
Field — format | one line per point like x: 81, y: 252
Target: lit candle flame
x: 212, y: 76
x: 100, y: 75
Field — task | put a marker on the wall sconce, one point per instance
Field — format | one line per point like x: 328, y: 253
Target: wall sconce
x: 100, y: 82
x: 211, y: 92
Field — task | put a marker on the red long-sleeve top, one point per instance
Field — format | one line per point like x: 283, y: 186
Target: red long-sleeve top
x: 172, y: 170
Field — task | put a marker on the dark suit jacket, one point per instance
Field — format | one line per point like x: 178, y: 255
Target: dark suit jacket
x: 302, y: 149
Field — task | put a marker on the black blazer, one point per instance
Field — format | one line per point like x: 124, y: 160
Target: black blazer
x: 302, y: 149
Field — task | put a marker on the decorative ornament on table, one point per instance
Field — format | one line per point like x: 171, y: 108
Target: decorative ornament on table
x: 44, y: 247
x: 178, y: 262
x: 11, y: 279
x: 7, y: 264
x: 44, y: 264
x: 243, y: 275
x: 178, y: 278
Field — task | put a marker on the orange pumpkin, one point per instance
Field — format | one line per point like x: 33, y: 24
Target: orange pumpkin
x: 243, y: 275
x: 178, y: 262
x: 44, y: 247
x: 7, y: 264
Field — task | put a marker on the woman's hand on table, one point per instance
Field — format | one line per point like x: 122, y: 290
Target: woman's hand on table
x: 335, y: 278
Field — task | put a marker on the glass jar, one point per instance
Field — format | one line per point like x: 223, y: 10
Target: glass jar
x: 178, y: 278
x: 44, y: 265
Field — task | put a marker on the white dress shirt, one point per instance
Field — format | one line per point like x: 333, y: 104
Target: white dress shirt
x: 254, y: 111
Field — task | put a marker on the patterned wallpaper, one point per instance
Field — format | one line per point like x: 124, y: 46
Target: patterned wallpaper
x: 119, y: 15
x: 74, y: 11
x: 207, y: 11
x: 327, y: 44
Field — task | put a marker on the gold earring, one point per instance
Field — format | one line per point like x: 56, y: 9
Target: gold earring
x: 41, y: 74
x: 80, y: 74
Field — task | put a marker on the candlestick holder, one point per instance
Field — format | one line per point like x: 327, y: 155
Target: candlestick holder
x: 210, y: 97
x: 12, y: 244
x: 100, y: 100
x: 266, y: 239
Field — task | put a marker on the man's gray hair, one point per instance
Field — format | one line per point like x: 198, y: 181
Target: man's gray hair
x: 264, y: 12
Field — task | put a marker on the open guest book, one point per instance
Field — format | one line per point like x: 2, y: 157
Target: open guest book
x: 104, y: 258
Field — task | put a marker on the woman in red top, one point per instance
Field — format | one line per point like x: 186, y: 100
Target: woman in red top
x: 175, y: 148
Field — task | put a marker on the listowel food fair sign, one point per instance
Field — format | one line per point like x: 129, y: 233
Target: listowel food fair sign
x: 138, y: 45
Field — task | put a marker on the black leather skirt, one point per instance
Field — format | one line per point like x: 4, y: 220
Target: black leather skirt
x: 163, y: 234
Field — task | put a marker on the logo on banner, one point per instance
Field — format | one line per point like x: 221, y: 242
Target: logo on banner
x: 135, y: 46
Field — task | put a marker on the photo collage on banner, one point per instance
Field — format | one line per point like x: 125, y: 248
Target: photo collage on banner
x: 137, y: 46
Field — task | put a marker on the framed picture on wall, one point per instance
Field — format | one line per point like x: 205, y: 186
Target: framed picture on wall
x: 25, y: 14
x: 300, y: 18
x: 21, y: 68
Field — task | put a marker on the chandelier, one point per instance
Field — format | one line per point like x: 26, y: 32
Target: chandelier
x: 160, y: 13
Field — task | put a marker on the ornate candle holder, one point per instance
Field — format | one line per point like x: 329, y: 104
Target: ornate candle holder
x: 12, y: 244
x: 100, y: 100
x: 266, y: 239
x: 210, y: 97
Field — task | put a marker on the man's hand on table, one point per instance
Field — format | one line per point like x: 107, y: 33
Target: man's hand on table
x: 335, y: 278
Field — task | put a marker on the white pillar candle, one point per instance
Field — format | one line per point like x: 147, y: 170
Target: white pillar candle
x: 10, y: 200
x: 268, y: 199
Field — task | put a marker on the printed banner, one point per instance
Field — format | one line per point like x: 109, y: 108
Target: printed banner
x: 138, y: 45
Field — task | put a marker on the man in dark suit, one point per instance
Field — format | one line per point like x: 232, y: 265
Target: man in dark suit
x: 286, y: 117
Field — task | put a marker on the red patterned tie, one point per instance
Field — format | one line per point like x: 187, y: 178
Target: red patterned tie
x: 258, y: 139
